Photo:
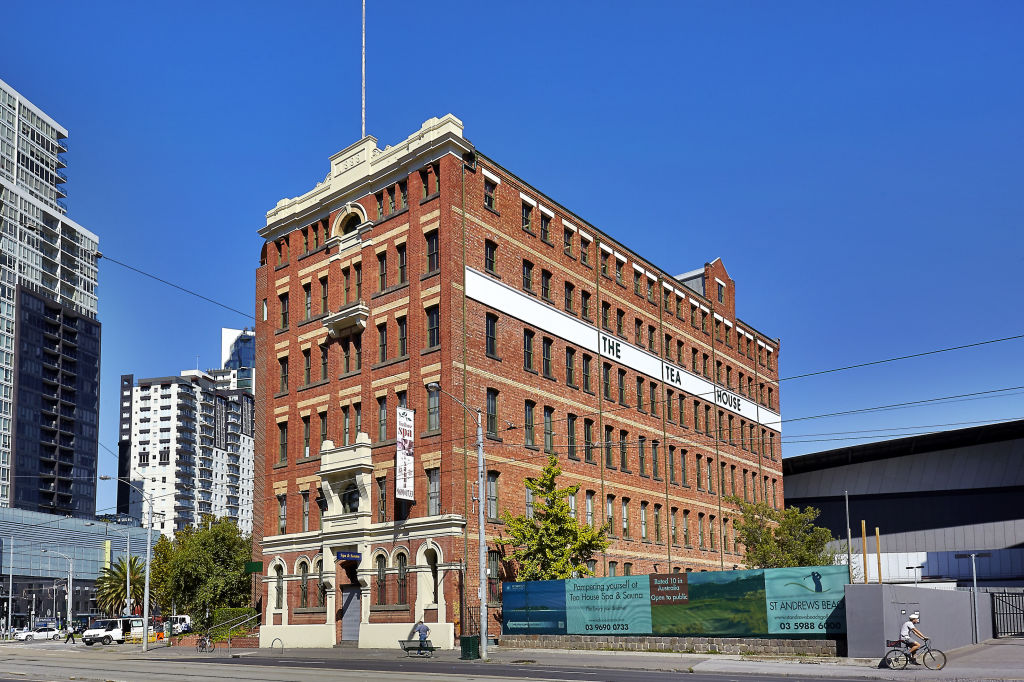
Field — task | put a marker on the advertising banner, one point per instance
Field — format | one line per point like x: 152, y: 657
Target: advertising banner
x: 405, y: 464
x: 608, y: 605
x: 797, y: 602
x: 806, y: 600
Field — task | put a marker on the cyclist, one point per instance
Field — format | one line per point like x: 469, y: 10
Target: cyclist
x: 910, y: 628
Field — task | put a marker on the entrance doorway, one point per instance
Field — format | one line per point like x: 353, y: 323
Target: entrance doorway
x: 351, y: 613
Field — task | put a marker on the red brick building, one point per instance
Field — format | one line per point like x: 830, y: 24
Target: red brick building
x: 428, y: 262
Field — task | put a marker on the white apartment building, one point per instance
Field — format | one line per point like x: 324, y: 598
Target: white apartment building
x: 189, y: 444
x: 49, y: 336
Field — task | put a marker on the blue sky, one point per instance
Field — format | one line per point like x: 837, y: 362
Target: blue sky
x: 857, y: 167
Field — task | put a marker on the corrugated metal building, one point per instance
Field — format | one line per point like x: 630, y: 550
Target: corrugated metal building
x: 931, y: 496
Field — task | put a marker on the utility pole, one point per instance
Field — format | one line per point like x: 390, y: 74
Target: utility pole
x: 849, y: 540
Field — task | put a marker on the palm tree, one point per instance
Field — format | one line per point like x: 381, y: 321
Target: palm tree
x: 110, y: 585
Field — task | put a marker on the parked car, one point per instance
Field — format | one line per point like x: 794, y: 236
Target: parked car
x: 38, y: 633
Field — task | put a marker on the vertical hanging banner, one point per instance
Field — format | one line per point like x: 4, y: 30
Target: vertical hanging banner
x: 404, y: 460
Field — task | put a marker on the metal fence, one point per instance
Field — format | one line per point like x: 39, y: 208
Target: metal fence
x: 1008, y: 614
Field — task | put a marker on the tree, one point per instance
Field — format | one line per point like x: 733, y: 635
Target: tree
x: 111, y: 587
x: 203, y: 569
x: 778, y: 538
x: 551, y: 545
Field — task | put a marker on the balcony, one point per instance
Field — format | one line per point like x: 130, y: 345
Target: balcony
x: 346, y: 474
x: 351, y: 318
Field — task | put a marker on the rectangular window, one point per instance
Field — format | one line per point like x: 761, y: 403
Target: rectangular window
x: 549, y: 430
x: 570, y: 436
x: 545, y: 357
x: 572, y: 506
x: 323, y: 428
x: 588, y: 440
x: 382, y: 499
x: 570, y: 366
x: 672, y: 514
x: 605, y: 312
x: 433, y: 492
x: 358, y: 268
x: 620, y: 319
x: 669, y: 406
x: 307, y: 297
x: 545, y: 228
x: 528, y: 275
x: 570, y: 295
x: 382, y: 342
x: 584, y: 251
x: 494, y: 576
x: 283, y: 300
x: 283, y: 384
x: 586, y: 374
x: 433, y: 410
x: 641, y: 454
x: 622, y: 387
x: 528, y: 350
x: 654, y: 460
x: 608, y: 448
x: 527, y: 217
x: 613, y: 569
x: 643, y: 522
x: 545, y: 285
x: 618, y: 271
x: 382, y: 418
x: 433, y: 326
x: 639, y: 393
x: 567, y: 241
x: 307, y: 361
x: 657, y: 523
x: 492, y: 495
x: 492, y: 412
x: 305, y: 511
x: 382, y: 271
x: 323, y: 363
x: 610, y: 514
x: 528, y: 434
x: 402, y: 269
x: 282, y: 517
x: 489, y: 189
x: 345, y: 425
x: 589, y: 502
x: 636, y: 282
x: 625, y: 518
x: 606, y: 380
x: 323, y: 296
x: 282, y: 442
x: 529, y: 500
x: 433, y: 251
x: 624, y: 450
x: 490, y: 255
x: 358, y: 410
x: 671, y: 463
x: 585, y: 305
x: 403, y: 348
x: 653, y: 393
x: 491, y: 335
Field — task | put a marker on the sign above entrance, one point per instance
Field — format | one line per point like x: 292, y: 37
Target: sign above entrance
x: 349, y: 556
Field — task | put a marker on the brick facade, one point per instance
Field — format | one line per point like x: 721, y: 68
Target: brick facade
x: 337, y: 234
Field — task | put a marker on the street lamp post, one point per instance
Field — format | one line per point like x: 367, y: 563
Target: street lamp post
x: 149, y: 557
x: 70, y: 585
x: 481, y: 540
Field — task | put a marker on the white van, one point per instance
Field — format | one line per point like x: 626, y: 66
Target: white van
x: 180, y: 624
x: 107, y: 631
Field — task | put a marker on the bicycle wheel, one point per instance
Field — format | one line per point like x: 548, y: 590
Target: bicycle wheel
x: 895, y: 659
x: 934, y: 659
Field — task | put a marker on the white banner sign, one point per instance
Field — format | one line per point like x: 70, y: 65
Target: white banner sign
x: 405, y: 463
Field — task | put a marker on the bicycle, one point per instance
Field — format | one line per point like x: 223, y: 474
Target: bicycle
x: 898, y: 657
x: 204, y: 644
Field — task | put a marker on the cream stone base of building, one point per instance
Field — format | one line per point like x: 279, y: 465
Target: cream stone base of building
x: 297, y: 636
x: 387, y: 635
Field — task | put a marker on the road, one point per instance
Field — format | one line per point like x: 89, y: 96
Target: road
x: 54, y: 661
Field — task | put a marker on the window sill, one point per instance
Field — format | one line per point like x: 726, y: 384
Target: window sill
x: 311, y: 609
x: 530, y: 232
x: 353, y: 373
x: 307, y: 460
x: 389, y: 216
x: 495, y: 437
x: 313, y: 252
x: 535, y: 448
x: 382, y: 443
x: 492, y: 356
x: 280, y: 330
x: 530, y: 291
x: 549, y: 377
x: 531, y: 371
x: 389, y: 290
x: 430, y: 197
x: 492, y: 273
x: 389, y: 607
x: 643, y: 475
x: 281, y: 465
x: 430, y: 434
x: 574, y: 458
x: 392, y: 361
x: 492, y: 210
x: 310, y: 320
x: 588, y: 391
x: 432, y: 349
x: 281, y: 394
x: 572, y: 386
x: 306, y: 387
x: 547, y: 241
x: 281, y: 266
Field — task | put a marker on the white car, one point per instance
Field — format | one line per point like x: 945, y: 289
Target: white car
x: 38, y: 633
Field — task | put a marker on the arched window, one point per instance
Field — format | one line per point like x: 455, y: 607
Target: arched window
x: 321, y: 586
x: 382, y: 591
x: 279, y: 580
x: 402, y: 562
x: 350, y: 499
x: 431, y: 557
x: 303, y: 585
x: 350, y: 224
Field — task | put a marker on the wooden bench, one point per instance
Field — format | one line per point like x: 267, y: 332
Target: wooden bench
x: 414, y: 647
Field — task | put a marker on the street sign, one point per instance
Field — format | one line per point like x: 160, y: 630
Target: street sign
x: 349, y: 556
x: 253, y: 566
